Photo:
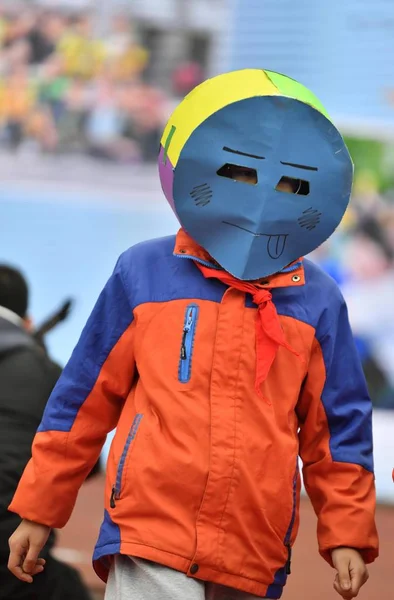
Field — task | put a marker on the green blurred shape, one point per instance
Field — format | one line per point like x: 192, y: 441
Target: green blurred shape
x: 369, y: 157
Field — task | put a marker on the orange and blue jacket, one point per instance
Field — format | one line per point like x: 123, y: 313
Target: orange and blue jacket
x: 202, y: 474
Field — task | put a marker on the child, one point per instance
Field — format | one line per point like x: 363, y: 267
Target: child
x: 220, y: 356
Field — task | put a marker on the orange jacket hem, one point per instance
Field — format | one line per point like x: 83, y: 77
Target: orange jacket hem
x: 180, y: 563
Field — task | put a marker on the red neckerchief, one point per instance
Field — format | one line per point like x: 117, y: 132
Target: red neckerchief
x: 269, y: 333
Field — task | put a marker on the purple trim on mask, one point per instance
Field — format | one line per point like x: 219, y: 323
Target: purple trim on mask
x: 166, y: 172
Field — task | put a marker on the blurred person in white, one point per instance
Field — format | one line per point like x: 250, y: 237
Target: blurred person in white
x: 121, y: 36
x: 125, y: 57
x: 27, y: 377
x: 369, y: 257
x: 360, y: 259
x: 372, y: 285
x: 105, y: 124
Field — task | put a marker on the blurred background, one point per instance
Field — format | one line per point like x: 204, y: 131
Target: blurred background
x: 85, y: 90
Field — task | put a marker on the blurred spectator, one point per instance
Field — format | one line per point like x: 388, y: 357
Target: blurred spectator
x: 143, y: 107
x: 64, y: 90
x: 17, y: 96
x: 105, y: 124
x: 18, y: 25
x: 82, y: 54
x: 125, y: 57
x: 186, y: 77
x: 121, y: 36
x: 361, y: 259
x: 53, y: 87
x: 43, y: 37
x: 27, y: 377
x: 76, y: 103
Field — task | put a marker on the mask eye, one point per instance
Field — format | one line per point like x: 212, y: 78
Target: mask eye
x: 290, y: 185
x: 238, y: 173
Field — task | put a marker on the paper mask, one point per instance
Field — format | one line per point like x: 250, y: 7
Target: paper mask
x: 275, y: 129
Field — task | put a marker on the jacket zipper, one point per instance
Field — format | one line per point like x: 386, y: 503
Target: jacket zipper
x: 116, y: 488
x: 288, y: 563
x: 184, y: 371
x: 287, y: 540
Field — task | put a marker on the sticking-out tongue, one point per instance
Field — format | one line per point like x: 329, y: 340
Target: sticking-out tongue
x: 276, y: 245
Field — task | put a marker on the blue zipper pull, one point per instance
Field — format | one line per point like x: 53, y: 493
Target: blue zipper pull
x: 186, y: 330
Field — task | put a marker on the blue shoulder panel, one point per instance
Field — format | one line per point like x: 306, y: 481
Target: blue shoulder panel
x: 111, y: 316
x: 345, y: 395
x: 307, y: 303
x: 155, y: 275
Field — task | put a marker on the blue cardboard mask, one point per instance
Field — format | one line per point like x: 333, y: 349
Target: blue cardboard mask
x: 299, y: 183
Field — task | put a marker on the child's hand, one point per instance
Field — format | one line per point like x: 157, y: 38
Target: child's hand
x: 351, y: 572
x: 26, y: 543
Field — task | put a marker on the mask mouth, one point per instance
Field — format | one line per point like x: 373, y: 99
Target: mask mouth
x: 276, y: 243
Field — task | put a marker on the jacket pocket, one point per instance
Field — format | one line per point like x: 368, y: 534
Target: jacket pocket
x: 186, y: 354
x: 287, y: 540
x: 116, y: 489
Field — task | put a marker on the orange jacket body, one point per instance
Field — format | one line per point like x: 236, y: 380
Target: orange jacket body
x: 202, y: 474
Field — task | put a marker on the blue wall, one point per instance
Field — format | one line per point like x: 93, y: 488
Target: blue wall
x: 69, y: 246
x: 342, y: 50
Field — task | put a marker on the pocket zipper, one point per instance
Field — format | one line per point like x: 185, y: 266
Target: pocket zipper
x: 188, y: 325
x: 287, y: 539
x: 189, y: 328
x: 115, y: 492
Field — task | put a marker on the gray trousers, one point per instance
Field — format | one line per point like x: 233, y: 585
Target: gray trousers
x: 137, y: 579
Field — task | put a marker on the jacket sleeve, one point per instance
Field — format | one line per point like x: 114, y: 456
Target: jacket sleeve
x: 84, y: 406
x: 335, y: 418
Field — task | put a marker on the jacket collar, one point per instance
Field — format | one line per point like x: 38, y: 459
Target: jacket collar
x: 9, y: 315
x: 292, y: 275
